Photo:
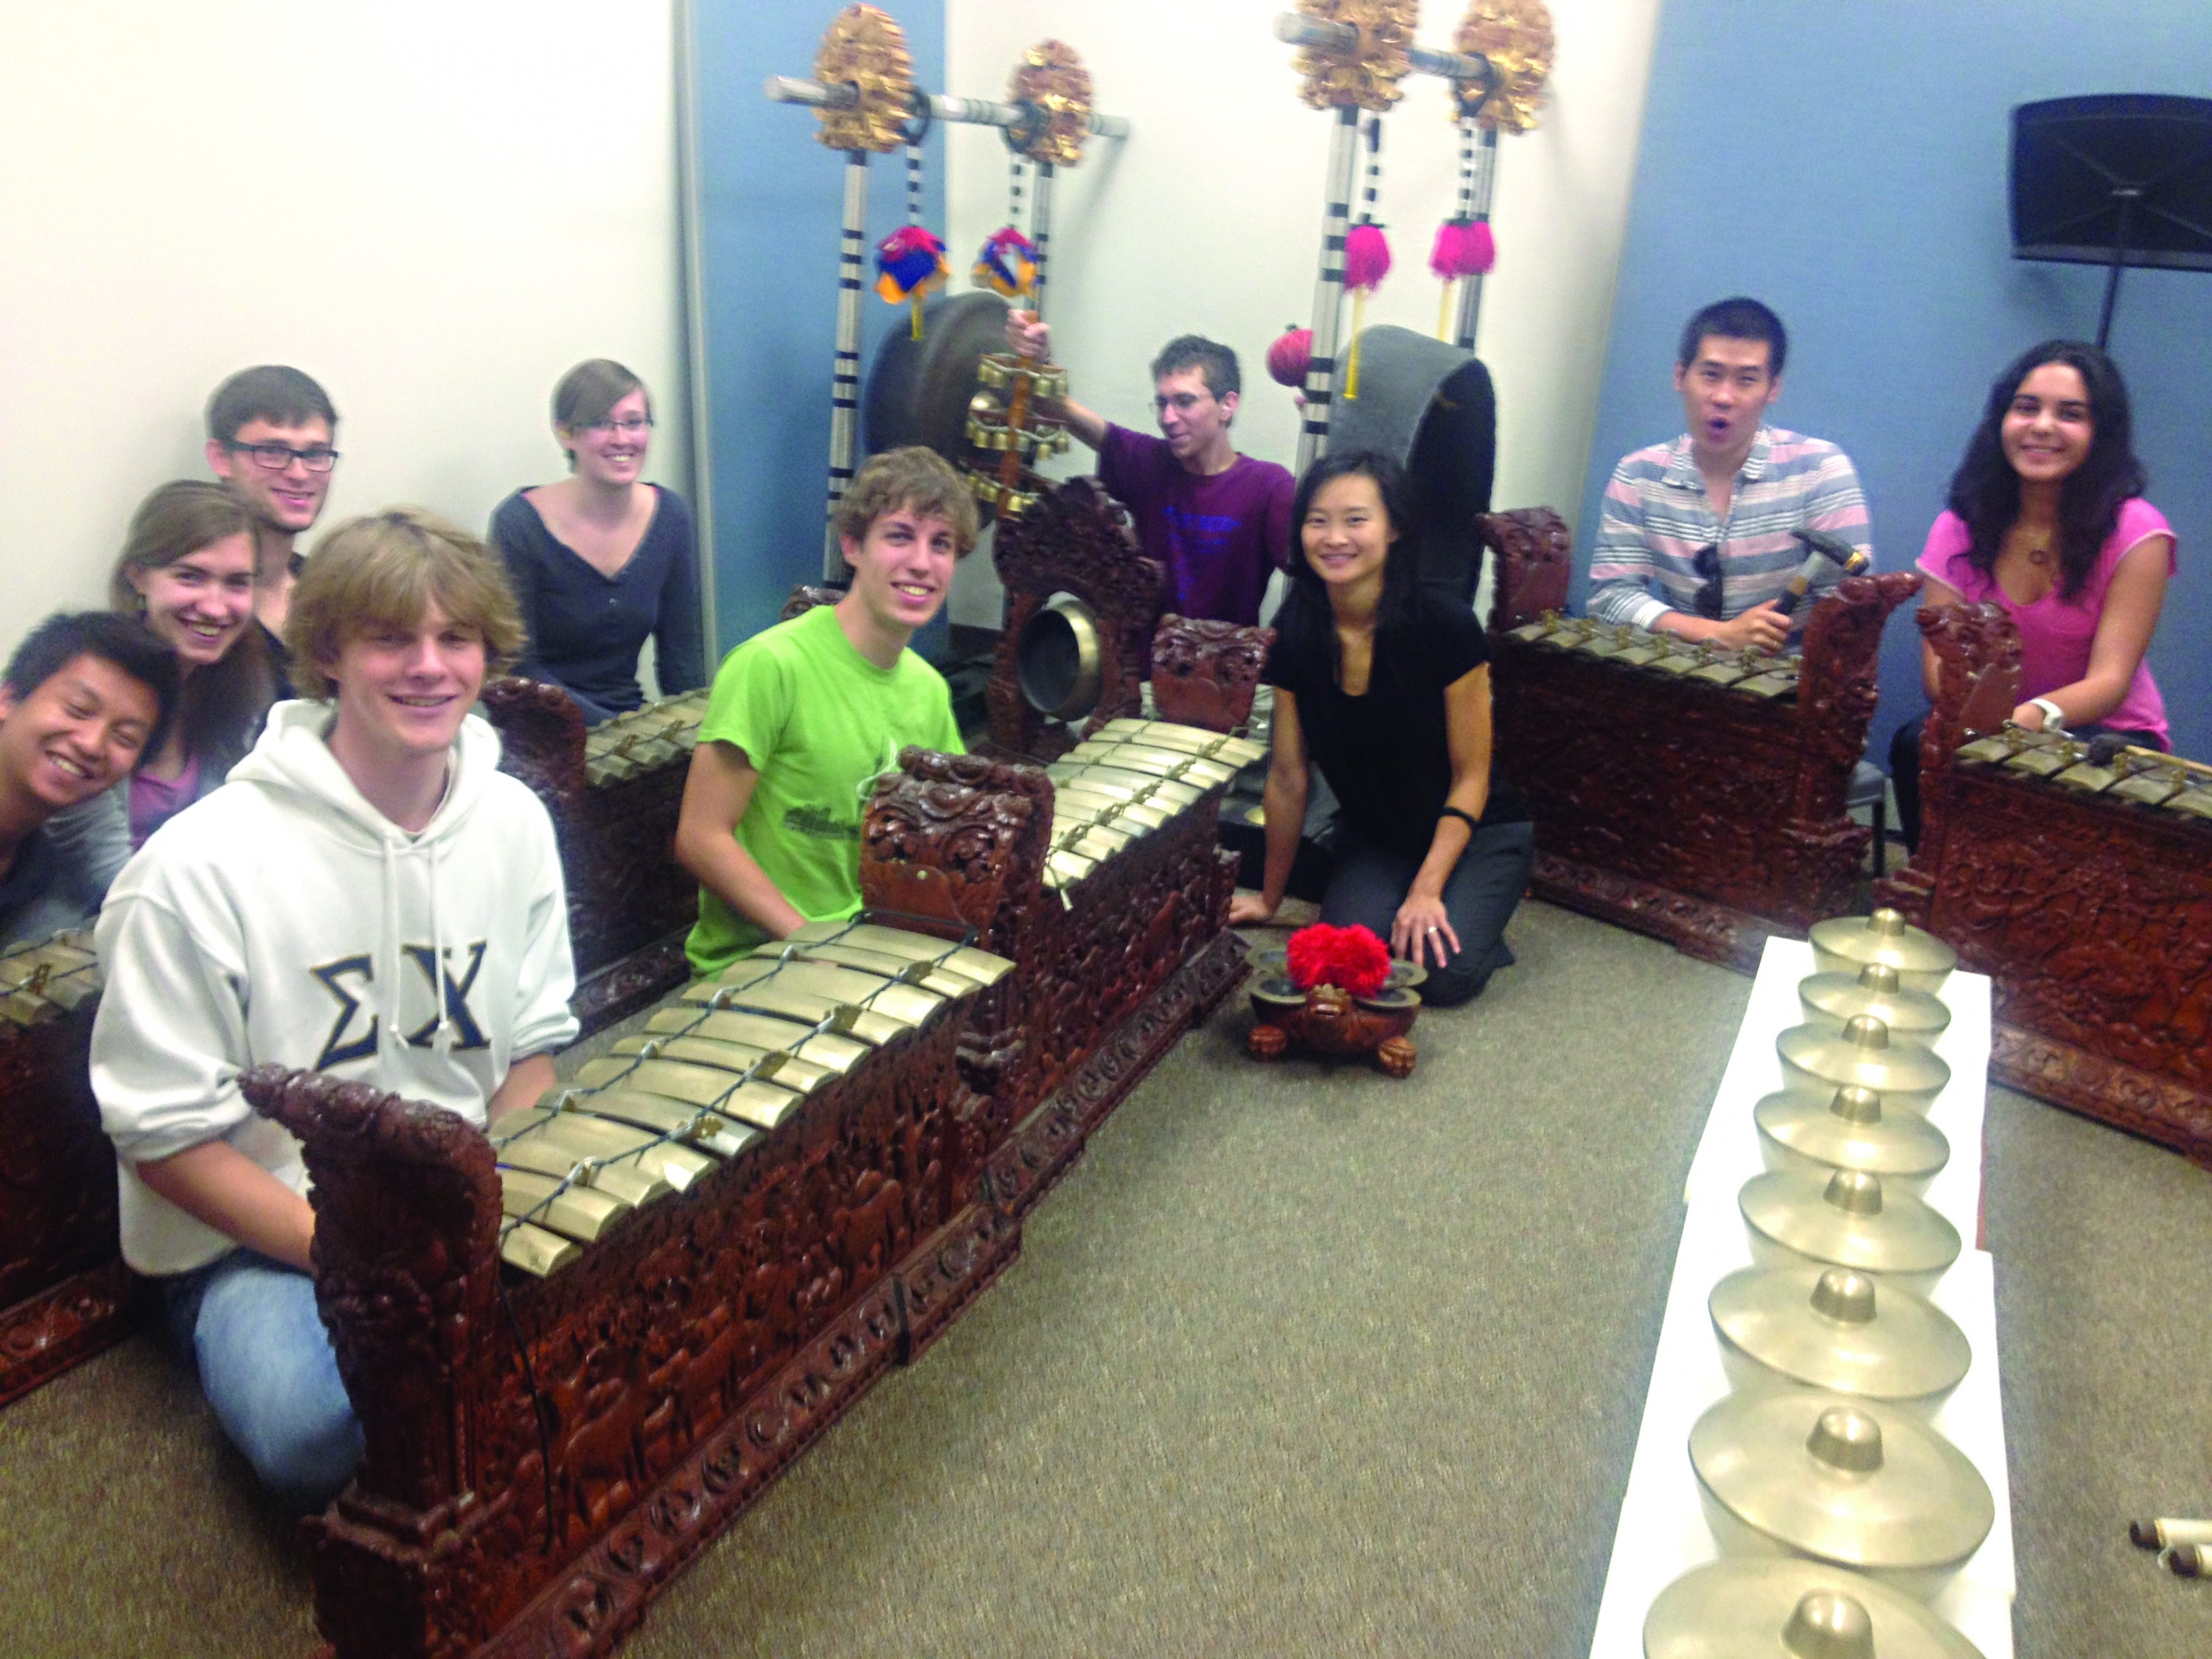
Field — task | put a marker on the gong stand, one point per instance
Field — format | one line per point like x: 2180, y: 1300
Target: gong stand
x: 1081, y: 607
x: 1348, y: 68
x: 1474, y: 204
x: 865, y: 96
x: 1352, y: 55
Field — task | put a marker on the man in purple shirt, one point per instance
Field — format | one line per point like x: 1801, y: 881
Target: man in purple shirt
x: 1218, y: 522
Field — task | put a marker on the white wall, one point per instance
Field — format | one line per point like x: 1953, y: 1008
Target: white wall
x: 1207, y: 219
x: 433, y: 208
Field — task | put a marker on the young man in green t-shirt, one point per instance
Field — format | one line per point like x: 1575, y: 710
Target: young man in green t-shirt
x: 805, y: 715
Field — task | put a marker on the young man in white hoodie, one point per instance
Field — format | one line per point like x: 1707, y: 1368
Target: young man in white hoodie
x: 368, y: 896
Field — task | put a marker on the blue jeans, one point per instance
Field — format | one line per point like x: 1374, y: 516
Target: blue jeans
x: 266, y: 1366
x: 1368, y: 885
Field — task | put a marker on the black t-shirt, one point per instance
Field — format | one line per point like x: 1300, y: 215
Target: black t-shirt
x: 1386, y: 754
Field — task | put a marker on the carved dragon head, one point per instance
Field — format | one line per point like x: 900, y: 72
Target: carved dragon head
x: 1205, y: 673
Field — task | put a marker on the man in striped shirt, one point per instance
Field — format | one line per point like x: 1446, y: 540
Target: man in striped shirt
x: 1695, y: 535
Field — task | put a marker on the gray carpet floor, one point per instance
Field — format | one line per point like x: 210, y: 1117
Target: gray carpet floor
x: 1297, y: 1360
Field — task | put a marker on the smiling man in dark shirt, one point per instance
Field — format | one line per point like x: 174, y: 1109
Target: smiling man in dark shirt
x: 84, y: 697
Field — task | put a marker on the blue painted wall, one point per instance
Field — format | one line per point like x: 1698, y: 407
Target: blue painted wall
x: 1848, y: 165
x: 771, y: 199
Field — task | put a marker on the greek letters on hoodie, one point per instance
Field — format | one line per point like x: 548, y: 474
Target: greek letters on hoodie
x: 284, y: 920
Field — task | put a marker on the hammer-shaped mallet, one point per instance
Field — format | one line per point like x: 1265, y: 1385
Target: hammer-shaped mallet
x: 1820, y: 547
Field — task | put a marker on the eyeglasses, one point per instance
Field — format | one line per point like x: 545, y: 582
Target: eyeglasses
x: 626, y: 429
x: 1707, y: 561
x: 275, y: 458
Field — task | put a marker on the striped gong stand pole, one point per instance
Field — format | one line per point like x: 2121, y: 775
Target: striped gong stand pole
x: 1328, y: 289
x: 1477, y: 206
x: 1017, y: 401
x: 1041, y: 232
x: 845, y: 382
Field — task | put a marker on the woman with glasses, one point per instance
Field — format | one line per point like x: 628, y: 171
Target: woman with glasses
x: 2047, y: 520
x: 187, y: 570
x: 602, y: 559
x: 1385, y: 684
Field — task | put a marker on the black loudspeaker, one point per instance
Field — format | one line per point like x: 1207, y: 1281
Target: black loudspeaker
x: 2118, y: 179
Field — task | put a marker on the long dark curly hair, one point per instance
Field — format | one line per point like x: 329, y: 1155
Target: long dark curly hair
x: 1306, y: 623
x: 1985, y: 491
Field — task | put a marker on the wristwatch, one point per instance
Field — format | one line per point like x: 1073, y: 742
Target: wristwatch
x: 2054, y: 717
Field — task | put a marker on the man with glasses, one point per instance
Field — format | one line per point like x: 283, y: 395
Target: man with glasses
x: 269, y: 437
x: 1219, y: 522
x: 1698, y: 536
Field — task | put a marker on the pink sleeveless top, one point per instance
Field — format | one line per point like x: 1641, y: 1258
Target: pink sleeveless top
x: 2055, y: 634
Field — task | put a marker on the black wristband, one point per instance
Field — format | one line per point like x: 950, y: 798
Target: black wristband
x: 1467, y: 819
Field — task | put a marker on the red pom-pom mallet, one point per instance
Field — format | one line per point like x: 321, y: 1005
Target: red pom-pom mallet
x: 1464, y: 247
x: 1352, y: 958
x: 1366, y: 263
x: 1288, y: 357
x: 1366, y: 257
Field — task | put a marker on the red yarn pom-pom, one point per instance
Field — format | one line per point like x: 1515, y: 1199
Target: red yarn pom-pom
x: 1366, y: 255
x: 1352, y: 958
x: 1288, y: 357
x: 1464, y: 247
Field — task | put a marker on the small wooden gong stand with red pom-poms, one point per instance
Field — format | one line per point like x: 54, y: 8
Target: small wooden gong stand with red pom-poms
x: 1337, y: 999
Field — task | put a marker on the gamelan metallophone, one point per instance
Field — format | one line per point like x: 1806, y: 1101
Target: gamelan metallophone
x: 580, y: 1343
x: 1117, y: 893
x: 1136, y: 776
x: 724, y: 1063
x: 2080, y: 881
x: 1695, y: 795
x: 64, y: 1293
x: 614, y: 791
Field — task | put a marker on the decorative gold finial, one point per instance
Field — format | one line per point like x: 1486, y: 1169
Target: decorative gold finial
x: 1516, y: 36
x: 865, y: 49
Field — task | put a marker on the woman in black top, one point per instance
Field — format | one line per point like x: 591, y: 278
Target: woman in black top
x: 1386, y: 686
x: 601, y: 559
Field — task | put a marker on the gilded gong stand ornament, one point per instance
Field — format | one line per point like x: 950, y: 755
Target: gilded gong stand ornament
x: 863, y: 57
x: 863, y: 93
x: 1351, y: 56
x: 1513, y: 37
x: 1009, y: 431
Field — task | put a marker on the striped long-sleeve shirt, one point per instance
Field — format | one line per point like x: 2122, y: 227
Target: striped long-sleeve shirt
x: 1656, y: 518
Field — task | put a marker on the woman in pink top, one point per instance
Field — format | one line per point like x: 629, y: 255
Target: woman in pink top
x: 2047, y: 520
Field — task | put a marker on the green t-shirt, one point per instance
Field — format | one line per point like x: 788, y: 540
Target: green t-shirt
x: 818, y: 722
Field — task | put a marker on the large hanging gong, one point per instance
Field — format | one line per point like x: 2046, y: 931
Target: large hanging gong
x: 1429, y: 406
x: 918, y: 391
